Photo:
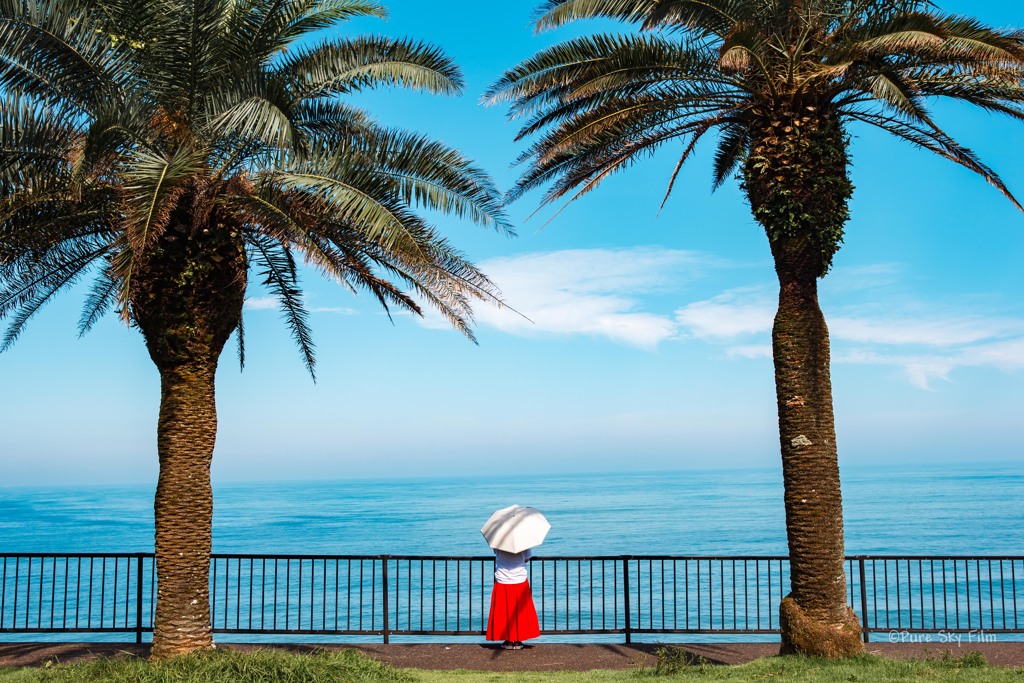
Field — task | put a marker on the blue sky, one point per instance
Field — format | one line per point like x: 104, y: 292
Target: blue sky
x: 648, y: 347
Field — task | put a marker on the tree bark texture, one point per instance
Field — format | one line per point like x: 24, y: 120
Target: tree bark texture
x: 184, y: 509
x: 796, y: 179
x: 187, y: 299
x: 815, y: 618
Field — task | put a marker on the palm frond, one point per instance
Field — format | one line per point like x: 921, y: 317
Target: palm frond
x: 121, y: 118
x: 35, y: 140
x: 258, y: 30
x: 157, y: 182
x: 61, y: 51
x: 432, y: 176
x: 362, y: 198
x: 331, y: 247
x: 702, y: 17
x: 290, y: 219
x: 356, y: 262
x: 195, y: 39
x: 695, y: 138
x: 447, y: 282
x: 935, y: 140
x: 276, y: 266
x: 102, y: 297
x: 1000, y: 95
x: 732, y: 147
x: 594, y: 105
x: 35, y: 224
x: 330, y: 121
x: 559, y: 72
x: 890, y: 88
x: 890, y: 34
x: 554, y: 13
x: 240, y: 341
x: 968, y: 37
x: 26, y: 292
x: 345, y: 66
x: 572, y: 160
x: 255, y: 119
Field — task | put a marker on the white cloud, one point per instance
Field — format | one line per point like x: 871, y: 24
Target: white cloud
x: 607, y: 293
x: 750, y: 351
x: 338, y: 310
x: 922, y: 369
x: 590, y: 291
x: 260, y: 303
x: 848, y: 279
x: 731, y: 314
x: 266, y: 303
x: 928, y: 342
x: 931, y: 329
x: 1006, y: 355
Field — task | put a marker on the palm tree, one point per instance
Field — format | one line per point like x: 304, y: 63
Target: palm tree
x: 778, y: 81
x: 165, y: 148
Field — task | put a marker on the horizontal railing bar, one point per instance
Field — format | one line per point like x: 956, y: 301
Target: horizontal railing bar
x: 302, y: 631
x: 582, y: 631
x: 73, y: 556
x: 477, y: 558
x: 254, y: 556
x: 485, y: 558
x: 976, y: 629
x: 706, y: 631
x: 438, y: 558
x: 680, y: 558
x: 983, y: 558
x: 406, y: 632
x: 82, y: 629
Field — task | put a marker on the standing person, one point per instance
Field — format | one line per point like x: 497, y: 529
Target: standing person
x: 512, y: 532
x: 513, y: 617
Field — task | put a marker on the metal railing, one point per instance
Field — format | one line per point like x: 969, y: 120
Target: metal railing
x: 98, y: 592
x: 385, y: 595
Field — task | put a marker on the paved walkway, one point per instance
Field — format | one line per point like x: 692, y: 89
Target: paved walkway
x: 541, y: 657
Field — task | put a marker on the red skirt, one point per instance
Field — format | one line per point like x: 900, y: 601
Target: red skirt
x: 513, y: 616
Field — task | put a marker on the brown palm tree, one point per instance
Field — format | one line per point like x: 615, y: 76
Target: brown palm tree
x: 779, y: 81
x: 173, y: 148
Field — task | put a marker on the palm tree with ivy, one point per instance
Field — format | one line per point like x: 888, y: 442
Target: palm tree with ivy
x: 170, y: 150
x: 778, y: 82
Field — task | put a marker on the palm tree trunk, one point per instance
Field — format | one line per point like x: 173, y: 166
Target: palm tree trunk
x: 184, y: 509
x: 815, y: 618
x: 187, y: 299
x: 796, y: 177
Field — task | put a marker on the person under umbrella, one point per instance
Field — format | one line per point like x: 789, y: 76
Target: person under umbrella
x: 513, y: 532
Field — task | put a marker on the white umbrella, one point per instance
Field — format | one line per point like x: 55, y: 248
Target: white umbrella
x: 515, y: 528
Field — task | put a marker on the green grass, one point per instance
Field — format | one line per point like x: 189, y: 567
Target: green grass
x: 279, y: 666
x: 221, y: 666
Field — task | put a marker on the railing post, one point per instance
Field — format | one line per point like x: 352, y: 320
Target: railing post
x: 384, y: 573
x: 625, y: 588
x: 138, y: 597
x: 863, y: 601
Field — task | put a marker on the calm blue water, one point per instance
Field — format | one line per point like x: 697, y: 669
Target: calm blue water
x: 943, y: 510
x: 964, y: 510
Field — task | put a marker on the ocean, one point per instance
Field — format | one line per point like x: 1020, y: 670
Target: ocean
x: 965, y: 510
x: 926, y: 510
